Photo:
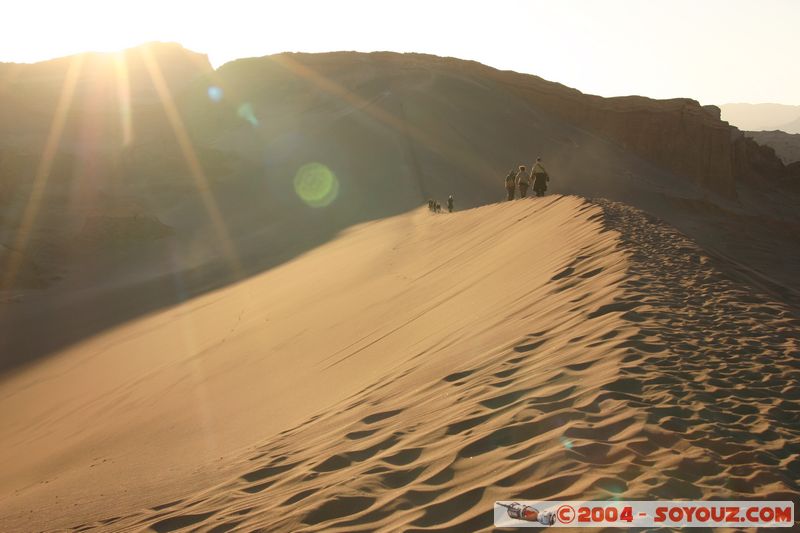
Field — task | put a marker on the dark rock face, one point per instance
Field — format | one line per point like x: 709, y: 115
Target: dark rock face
x: 713, y: 111
x: 786, y: 145
x: 104, y: 230
x: 755, y: 161
x: 28, y: 273
x: 678, y: 135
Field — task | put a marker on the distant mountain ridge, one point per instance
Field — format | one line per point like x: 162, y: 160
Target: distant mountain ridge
x: 763, y: 117
x: 792, y: 127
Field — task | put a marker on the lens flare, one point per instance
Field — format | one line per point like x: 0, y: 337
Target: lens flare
x: 246, y: 112
x: 57, y: 126
x: 215, y: 93
x: 124, y: 96
x: 316, y: 184
x: 191, y: 159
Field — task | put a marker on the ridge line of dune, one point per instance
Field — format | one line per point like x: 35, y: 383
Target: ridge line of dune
x: 409, y: 443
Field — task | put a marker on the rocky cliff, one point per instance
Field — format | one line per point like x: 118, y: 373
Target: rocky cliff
x: 679, y: 134
x: 786, y: 145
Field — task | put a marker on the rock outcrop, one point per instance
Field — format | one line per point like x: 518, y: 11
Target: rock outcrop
x: 105, y: 231
x: 786, y: 145
x: 679, y: 134
x: 28, y: 274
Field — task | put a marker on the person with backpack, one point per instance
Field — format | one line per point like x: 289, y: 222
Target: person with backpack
x: 523, y: 181
x: 450, y: 204
x: 540, y: 177
x: 511, y: 184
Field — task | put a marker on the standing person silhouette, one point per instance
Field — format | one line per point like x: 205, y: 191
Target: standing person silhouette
x: 511, y: 184
x: 523, y: 181
x: 450, y: 204
x: 540, y: 177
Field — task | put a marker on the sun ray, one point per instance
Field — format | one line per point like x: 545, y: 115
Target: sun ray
x: 11, y: 75
x: 387, y: 118
x: 189, y: 155
x: 123, y: 97
x: 52, y: 143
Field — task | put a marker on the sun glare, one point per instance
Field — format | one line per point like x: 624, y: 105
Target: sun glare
x: 40, y: 179
x: 605, y: 48
x: 193, y: 163
x: 124, y: 97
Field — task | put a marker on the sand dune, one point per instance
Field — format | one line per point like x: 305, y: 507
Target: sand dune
x: 410, y: 372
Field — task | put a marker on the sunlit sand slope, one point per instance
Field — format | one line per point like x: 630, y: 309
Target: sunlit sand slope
x: 409, y: 373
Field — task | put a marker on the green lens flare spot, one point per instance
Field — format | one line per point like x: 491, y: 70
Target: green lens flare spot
x: 316, y: 184
x: 246, y: 112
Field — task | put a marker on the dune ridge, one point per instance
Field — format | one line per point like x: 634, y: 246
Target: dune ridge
x: 551, y: 348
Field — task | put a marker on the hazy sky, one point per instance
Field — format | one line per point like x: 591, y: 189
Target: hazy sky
x: 716, y: 51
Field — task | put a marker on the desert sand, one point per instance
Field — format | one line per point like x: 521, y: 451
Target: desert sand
x: 410, y: 372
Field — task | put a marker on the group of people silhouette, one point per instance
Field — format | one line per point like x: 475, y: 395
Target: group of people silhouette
x: 516, y: 179
x: 436, y: 207
x: 521, y: 179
